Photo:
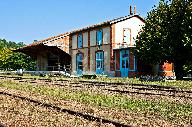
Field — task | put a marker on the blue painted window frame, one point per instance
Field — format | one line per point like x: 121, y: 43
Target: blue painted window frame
x: 80, y: 40
x: 99, y: 37
x: 124, y: 62
x: 79, y: 63
x: 99, y: 62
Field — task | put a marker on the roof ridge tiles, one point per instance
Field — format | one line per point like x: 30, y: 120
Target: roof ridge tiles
x: 108, y: 22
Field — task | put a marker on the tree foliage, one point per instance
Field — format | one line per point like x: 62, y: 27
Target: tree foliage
x: 10, y: 60
x: 167, y: 34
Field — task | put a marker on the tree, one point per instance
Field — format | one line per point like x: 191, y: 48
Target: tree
x: 167, y: 35
x: 10, y: 60
x: 4, y: 55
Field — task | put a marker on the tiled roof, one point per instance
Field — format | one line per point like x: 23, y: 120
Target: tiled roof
x: 107, y: 23
x: 85, y: 28
x: 45, y: 41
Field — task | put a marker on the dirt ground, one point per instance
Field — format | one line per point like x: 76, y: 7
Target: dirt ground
x: 16, y: 109
x: 19, y: 113
x: 15, y: 112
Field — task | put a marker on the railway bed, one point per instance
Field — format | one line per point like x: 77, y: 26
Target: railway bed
x: 71, y: 112
x: 51, y: 93
x: 126, y: 88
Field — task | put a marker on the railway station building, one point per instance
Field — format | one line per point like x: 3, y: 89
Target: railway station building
x: 106, y: 48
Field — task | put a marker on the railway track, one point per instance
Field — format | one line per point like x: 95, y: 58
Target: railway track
x: 59, y: 109
x: 126, y: 88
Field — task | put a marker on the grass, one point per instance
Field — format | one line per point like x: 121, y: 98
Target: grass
x: 163, y: 108
x: 20, y: 113
x: 180, y: 84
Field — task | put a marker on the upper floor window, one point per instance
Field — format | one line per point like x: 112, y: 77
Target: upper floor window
x: 99, y: 37
x: 80, y: 40
x: 127, y: 35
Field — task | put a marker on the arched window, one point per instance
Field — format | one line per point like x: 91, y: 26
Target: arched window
x: 79, y: 63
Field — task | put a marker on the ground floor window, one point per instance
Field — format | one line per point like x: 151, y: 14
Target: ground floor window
x: 99, y: 62
x: 132, y: 60
x: 79, y: 63
x: 124, y: 59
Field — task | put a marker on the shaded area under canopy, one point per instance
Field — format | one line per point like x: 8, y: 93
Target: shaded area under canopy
x: 49, y: 58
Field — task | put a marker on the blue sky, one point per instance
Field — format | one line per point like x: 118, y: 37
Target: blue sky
x: 28, y: 20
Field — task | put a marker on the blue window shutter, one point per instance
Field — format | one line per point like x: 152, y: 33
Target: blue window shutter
x: 99, y: 37
x: 80, y: 41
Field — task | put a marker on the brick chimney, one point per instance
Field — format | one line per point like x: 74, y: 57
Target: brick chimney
x: 135, y: 10
x: 131, y: 13
x: 35, y: 41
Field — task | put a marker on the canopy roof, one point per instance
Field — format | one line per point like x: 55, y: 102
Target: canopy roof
x: 35, y: 49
